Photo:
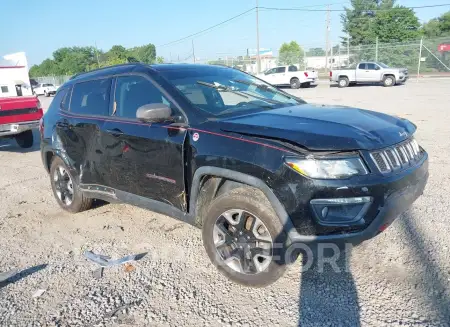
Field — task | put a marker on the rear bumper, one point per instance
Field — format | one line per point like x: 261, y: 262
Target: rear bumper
x: 17, y: 128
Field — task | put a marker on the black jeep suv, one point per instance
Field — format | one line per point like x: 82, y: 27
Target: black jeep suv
x: 257, y: 169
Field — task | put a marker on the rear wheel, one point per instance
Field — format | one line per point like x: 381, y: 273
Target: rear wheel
x: 66, y: 191
x: 343, y: 82
x: 46, y: 94
x: 25, y: 139
x: 388, y: 81
x: 295, y: 83
x: 244, y: 237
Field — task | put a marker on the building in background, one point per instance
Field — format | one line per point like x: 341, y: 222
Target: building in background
x: 14, y: 79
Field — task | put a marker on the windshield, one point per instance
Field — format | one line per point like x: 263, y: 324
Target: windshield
x: 47, y: 84
x: 220, y: 91
x: 382, y: 65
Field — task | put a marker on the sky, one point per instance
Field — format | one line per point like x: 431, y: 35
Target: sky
x: 39, y: 28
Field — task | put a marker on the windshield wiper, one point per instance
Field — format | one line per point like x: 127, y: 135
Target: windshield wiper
x: 222, y: 88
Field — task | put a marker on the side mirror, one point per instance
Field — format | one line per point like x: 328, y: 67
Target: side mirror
x: 377, y: 68
x: 154, y: 112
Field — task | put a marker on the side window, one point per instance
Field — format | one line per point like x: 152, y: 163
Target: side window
x: 271, y: 71
x: 371, y: 66
x: 281, y: 69
x: 91, y: 98
x: 4, y: 89
x: 133, y: 92
x: 58, y: 100
x: 66, y: 99
x: 292, y: 68
x: 362, y: 66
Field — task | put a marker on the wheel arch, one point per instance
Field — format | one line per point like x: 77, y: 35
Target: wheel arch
x: 229, y: 179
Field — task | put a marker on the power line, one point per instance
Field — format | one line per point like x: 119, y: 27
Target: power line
x: 342, y: 10
x: 207, y: 29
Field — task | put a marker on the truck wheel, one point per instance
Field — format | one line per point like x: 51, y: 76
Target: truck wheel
x: 295, y: 83
x: 343, y: 82
x: 66, y: 191
x: 46, y: 94
x: 25, y: 139
x: 388, y: 81
x: 239, y: 233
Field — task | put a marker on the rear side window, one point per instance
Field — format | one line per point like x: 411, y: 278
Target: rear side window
x: 4, y: 89
x: 91, y: 98
x: 362, y: 66
x: 133, y: 92
x: 293, y: 68
x: 281, y: 69
x: 58, y: 100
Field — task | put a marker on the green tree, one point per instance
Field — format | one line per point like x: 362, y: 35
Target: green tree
x: 145, y: 53
x: 315, y: 52
x: 290, y: 54
x: 159, y: 60
x: 436, y: 27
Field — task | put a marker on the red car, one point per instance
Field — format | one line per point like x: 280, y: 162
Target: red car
x: 18, y: 117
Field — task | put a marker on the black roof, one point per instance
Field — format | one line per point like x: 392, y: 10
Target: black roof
x: 125, y: 68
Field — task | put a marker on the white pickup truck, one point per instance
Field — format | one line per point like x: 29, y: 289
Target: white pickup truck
x: 369, y: 72
x: 46, y: 89
x: 289, y: 75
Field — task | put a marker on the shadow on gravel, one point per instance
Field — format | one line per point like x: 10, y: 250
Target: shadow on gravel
x: 329, y: 297
x: 434, y: 287
x: 23, y: 274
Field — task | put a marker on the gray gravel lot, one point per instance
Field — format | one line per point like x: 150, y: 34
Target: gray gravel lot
x: 400, y: 278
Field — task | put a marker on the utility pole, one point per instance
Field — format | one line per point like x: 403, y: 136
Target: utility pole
x: 327, y: 36
x: 258, y: 58
x: 420, y: 58
x: 376, y: 50
x: 193, y: 50
x: 96, y: 53
x: 348, y: 49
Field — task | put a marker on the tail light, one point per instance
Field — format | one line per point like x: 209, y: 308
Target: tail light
x: 331, y: 73
x: 38, y: 104
x: 306, y: 74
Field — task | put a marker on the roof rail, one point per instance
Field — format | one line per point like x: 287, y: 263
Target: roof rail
x: 107, y: 67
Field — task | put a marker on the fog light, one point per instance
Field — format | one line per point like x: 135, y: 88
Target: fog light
x: 340, y: 211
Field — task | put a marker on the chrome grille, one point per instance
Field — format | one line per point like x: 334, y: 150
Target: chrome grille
x: 399, y: 156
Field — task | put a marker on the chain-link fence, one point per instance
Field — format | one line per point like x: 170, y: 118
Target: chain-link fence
x: 55, y: 80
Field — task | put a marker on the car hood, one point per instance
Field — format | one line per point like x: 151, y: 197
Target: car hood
x: 324, y: 128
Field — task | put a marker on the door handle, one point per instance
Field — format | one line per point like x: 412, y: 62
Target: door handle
x: 115, y: 132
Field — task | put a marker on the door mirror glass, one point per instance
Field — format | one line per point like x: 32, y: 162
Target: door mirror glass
x: 154, y: 112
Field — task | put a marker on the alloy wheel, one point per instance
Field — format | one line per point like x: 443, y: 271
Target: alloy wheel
x: 63, y: 185
x: 242, y: 241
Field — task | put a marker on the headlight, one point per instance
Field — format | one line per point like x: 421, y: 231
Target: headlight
x: 328, y: 168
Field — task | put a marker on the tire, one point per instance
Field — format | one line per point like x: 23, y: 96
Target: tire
x: 254, y: 203
x: 46, y: 94
x: 79, y: 202
x: 295, y: 83
x: 343, y: 82
x: 25, y: 139
x: 306, y: 85
x: 388, y: 81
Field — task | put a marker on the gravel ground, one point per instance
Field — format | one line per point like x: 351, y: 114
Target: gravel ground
x: 400, y: 278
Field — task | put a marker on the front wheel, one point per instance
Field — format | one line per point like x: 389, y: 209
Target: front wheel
x: 295, y: 83
x: 244, y: 237
x: 66, y: 191
x: 388, y: 81
x: 25, y: 139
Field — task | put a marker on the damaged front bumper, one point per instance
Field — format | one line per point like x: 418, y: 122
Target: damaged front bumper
x: 383, y: 200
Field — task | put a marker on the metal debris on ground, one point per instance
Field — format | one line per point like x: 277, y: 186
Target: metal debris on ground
x: 38, y: 293
x: 7, y: 275
x: 105, y: 261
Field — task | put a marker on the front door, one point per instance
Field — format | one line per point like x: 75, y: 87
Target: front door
x: 280, y: 76
x: 141, y: 158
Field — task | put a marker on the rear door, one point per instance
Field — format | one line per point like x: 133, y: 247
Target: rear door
x: 79, y: 128
x: 141, y: 158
